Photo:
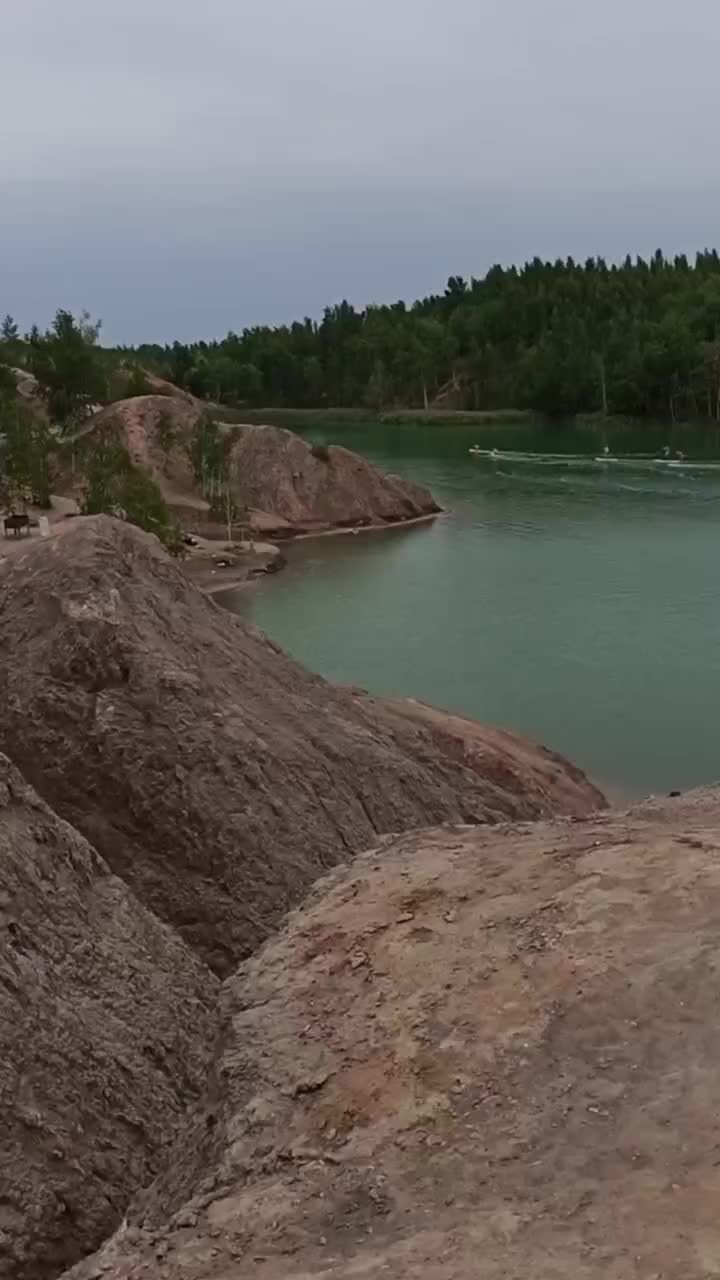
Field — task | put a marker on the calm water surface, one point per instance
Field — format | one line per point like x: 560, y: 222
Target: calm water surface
x: 579, y: 605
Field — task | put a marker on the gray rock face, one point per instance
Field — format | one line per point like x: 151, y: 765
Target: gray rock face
x: 106, y: 1024
x: 215, y: 775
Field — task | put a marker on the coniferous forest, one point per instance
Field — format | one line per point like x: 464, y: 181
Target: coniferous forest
x: 641, y: 339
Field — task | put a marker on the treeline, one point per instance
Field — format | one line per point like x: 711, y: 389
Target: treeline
x: 74, y: 373
x: 640, y: 339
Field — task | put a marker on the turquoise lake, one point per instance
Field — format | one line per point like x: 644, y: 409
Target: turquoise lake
x: 578, y: 604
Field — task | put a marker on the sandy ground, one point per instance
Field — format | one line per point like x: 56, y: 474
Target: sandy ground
x: 199, y: 563
x: 215, y: 567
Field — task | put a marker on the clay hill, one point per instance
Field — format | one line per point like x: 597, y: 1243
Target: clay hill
x: 285, y: 485
x: 157, y: 432
x: 485, y: 1052
x: 215, y: 775
x: 275, y: 471
x: 106, y: 1028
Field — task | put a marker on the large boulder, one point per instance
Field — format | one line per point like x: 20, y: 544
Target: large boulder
x: 216, y: 775
x: 274, y: 471
x: 107, y: 1022
x: 473, y: 1053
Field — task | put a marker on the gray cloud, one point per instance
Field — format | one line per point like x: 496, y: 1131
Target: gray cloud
x: 183, y: 167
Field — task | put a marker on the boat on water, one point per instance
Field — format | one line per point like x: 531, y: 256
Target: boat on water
x: 513, y: 455
x: 630, y: 460
x: 538, y: 459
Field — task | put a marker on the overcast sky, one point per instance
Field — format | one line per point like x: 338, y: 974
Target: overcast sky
x: 182, y: 167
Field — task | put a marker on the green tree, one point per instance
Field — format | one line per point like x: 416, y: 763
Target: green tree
x: 632, y: 337
x: 116, y: 486
x: 375, y: 396
x: 211, y: 458
x: 249, y: 383
x: 126, y: 379
x: 207, y: 455
x: 25, y: 454
x: 9, y: 330
x: 8, y: 385
x: 68, y: 364
x: 11, y: 344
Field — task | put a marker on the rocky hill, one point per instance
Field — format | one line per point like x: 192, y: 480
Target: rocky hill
x: 157, y: 432
x: 213, y: 773
x: 473, y: 1052
x: 487, y: 1044
x: 275, y: 471
x: 107, y: 1023
x: 280, y: 484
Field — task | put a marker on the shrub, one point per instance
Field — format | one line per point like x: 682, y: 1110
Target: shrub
x: 117, y: 486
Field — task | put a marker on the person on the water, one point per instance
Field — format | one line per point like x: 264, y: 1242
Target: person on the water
x: 666, y: 451
x: 606, y: 450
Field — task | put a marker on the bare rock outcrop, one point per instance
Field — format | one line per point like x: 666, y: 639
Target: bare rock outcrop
x: 107, y: 1023
x: 275, y: 471
x: 281, y: 484
x: 28, y: 387
x: 471, y: 1053
x: 213, y: 773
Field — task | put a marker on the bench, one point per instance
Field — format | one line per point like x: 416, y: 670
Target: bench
x: 16, y: 524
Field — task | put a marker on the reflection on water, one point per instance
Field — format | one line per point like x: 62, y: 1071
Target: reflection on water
x: 579, y: 604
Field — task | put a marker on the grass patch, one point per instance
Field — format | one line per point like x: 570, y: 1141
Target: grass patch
x: 296, y: 419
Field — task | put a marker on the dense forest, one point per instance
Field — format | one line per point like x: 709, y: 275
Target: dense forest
x: 640, y: 339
